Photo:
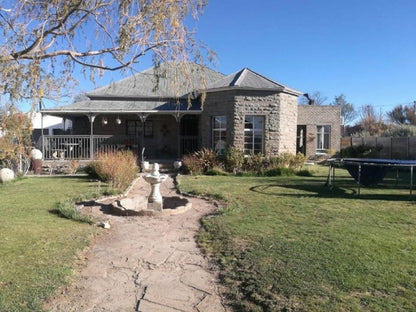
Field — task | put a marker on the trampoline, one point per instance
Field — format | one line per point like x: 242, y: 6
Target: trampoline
x: 368, y: 171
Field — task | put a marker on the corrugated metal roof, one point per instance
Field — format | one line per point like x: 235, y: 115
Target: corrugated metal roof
x: 248, y: 79
x: 170, y: 80
x: 138, y: 93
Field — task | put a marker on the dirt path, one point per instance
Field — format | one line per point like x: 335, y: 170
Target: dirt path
x: 146, y: 264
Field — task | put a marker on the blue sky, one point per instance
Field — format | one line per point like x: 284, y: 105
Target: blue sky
x: 365, y: 49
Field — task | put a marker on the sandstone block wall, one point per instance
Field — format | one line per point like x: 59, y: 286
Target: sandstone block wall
x: 279, y: 111
x: 216, y: 104
x: 288, y: 123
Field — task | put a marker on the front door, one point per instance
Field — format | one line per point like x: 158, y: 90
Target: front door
x: 189, y: 134
x: 301, y: 139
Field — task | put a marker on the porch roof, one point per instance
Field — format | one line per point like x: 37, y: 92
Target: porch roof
x: 122, y: 106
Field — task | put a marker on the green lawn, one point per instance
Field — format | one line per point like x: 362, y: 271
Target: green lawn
x: 37, y: 247
x: 291, y: 244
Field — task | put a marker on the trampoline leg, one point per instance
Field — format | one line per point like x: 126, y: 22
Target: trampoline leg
x: 333, y: 177
x: 328, y: 178
x: 359, y: 179
x: 397, y: 177
x: 411, y: 180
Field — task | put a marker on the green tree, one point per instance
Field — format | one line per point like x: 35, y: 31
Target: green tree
x: 403, y: 114
x: 43, y: 42
x: 347, y: 109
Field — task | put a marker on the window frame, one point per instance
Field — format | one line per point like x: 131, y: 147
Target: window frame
x: 135, y: 125
x: 255, y: 133
x: 323, y: 139
x: 221, y: 130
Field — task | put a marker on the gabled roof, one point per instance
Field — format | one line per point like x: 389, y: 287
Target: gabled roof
x: 169, y: 80
x: 250, y: 80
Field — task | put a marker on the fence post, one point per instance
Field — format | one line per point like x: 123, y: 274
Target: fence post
x: 408, y: 148
x: 42, y: 137
x: 391, y: 147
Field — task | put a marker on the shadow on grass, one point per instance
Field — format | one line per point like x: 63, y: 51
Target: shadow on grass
x: 344, y: 188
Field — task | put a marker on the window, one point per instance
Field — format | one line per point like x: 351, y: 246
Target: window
x: 219, y: 137
x: 148, y: 129
x: 253, y: 134
x: 322, y: 138
x: 134, y: 127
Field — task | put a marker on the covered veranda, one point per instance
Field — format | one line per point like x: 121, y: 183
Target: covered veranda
x: 167, y: 131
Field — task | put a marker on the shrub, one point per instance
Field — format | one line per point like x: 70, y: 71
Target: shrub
x: 304, y: 173
x: 254, y: 163
x: 119, y: 169
x: 216, y: 171
x: 288, y: 160
x: 360, y: 151
x: 191, y: 164
x: 200, y: 161
x: 234, y: 160
x: 279, y: 171
x: 400, y: 131
x: 208, y: 159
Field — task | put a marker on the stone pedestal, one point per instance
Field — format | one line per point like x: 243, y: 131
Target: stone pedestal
x: 155, y: 200
x: 157, y: 206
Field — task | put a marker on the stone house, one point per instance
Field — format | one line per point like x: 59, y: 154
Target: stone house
x: 166, y: 114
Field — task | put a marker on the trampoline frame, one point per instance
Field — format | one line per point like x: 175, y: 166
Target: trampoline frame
x: 360, y: 162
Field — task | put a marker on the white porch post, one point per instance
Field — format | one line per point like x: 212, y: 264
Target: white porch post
x: 142, y: 118
x: 178, y: 118
x: 41, y: 135
x: 91, y: 118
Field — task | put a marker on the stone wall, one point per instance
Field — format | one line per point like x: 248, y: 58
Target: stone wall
x: 288, y: 122
x: 320, y: 115
x: 279, y: 111
x: 217, y: 104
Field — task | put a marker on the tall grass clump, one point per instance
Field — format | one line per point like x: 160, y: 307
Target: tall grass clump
x: 200, y: 161
x: 118, y: 169
x: 68, y: 209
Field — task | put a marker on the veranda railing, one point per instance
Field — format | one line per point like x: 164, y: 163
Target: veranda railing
x: 85, y: 146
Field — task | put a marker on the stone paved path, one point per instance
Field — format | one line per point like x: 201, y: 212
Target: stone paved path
x: 146, y: 264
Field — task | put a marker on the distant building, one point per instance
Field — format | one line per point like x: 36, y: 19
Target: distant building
x: 52, y: 125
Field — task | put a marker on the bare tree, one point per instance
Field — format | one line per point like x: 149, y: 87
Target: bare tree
x: 42, y: 42
x: 315, y: 98
x: 370, y: 122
